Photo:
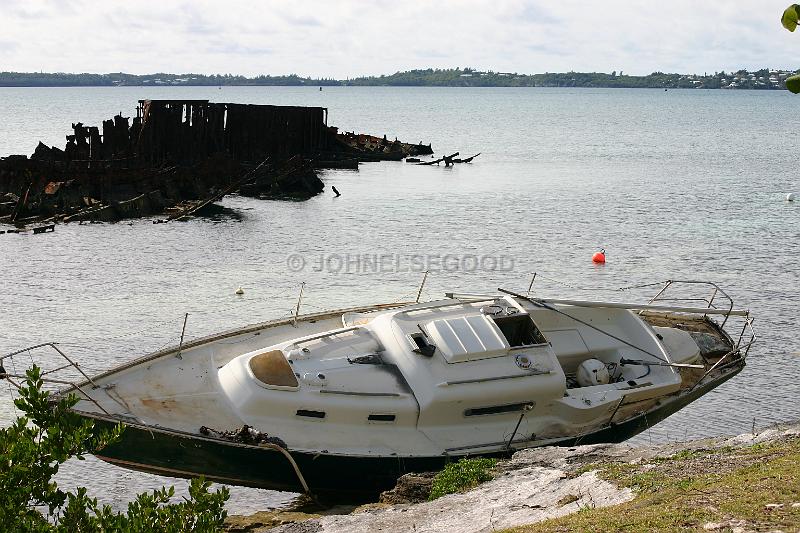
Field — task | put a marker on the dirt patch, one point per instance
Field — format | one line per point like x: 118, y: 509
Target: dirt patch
x: 410, y: 488
x: 264, y: 521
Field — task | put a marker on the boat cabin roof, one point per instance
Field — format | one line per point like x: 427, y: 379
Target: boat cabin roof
x: 469, y: 331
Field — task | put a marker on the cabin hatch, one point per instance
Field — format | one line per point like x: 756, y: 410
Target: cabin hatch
x: 519, y: 330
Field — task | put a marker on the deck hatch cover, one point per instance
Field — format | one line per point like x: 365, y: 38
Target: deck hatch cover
x: 467, y: 338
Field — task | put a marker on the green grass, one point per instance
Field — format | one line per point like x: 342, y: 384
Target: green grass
x: 686, y: 454
x: 690, y: 489
x: 462, y: 475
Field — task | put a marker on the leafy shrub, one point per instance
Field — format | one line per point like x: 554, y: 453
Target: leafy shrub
x: 461, y: 475
x: 47, y: 435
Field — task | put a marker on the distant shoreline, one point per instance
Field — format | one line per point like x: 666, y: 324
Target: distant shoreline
x: 371, y: 86
x: 763, y: 79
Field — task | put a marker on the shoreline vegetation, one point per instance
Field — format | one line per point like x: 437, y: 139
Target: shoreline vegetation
x: 763, y: 79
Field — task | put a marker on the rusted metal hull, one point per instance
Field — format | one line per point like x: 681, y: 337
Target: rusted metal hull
x: 178, y: 151
x: 372, y: 148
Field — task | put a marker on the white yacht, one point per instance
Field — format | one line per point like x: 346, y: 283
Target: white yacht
x: 346, y: 401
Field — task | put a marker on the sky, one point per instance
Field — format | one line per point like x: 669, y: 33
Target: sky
x: 349, y: 38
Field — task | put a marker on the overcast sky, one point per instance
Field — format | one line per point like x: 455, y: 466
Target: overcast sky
x: 346, y: 38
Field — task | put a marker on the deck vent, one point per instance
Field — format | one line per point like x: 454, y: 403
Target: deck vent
x: 310, y: 414
x: 497, y: 409
x: 421, y: 345
x: 381, y: 418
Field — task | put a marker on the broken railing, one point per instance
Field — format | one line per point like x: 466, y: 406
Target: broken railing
x: 56, y: 361
x: 56, y: 364
x: 747, y: 336
x: 672, y: 296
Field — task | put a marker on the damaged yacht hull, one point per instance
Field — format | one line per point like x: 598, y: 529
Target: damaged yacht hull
x: 186, y: 455
x: 342, y: 403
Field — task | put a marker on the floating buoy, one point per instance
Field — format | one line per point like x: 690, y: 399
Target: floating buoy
x: 599, y: 257
x: 790, y: 197
x: 240, y: 291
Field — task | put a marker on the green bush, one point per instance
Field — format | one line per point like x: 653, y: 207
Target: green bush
x: 461, y: 475
x: 47, y: 435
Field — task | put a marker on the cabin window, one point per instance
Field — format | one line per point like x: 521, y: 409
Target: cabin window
x: 310, y: 414
x: 381, y: 418
x: 498, y: 409
x: 519, y: 330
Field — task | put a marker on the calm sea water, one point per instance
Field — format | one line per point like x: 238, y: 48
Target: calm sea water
x: 675, y: 185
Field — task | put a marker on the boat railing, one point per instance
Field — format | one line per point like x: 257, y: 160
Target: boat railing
x: 718, y: 302
x: 672, y: 296
x: 54, y: 364
x: 716, y: 291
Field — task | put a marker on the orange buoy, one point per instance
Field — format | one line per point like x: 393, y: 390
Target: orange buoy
x: 599, y: 257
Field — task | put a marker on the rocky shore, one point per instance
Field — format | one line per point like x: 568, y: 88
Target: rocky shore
x: 750, y: 482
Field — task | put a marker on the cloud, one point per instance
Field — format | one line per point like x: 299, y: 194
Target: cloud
x: 536, y: 14
x: 302, y: 20
x: 8, y: 46
x: 431, y: 53
x: 351, y: 37
x: 547, y: 49
x: 236, y: 49
x: 40, y: 9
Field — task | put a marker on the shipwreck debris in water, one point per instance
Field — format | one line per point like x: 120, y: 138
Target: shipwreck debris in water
x: 177, y: 156
x: 371, y: 148
x: 448, y: 160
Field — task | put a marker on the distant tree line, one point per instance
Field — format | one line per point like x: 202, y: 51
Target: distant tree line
x: 457, y: 77
x: 760, y: 79
x: 41, y: 79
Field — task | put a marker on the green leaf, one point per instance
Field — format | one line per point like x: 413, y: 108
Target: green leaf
x: 793, y: 83
x: 791, y: 17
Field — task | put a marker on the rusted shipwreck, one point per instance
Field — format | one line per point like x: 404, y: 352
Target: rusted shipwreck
x: 176, y: 156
